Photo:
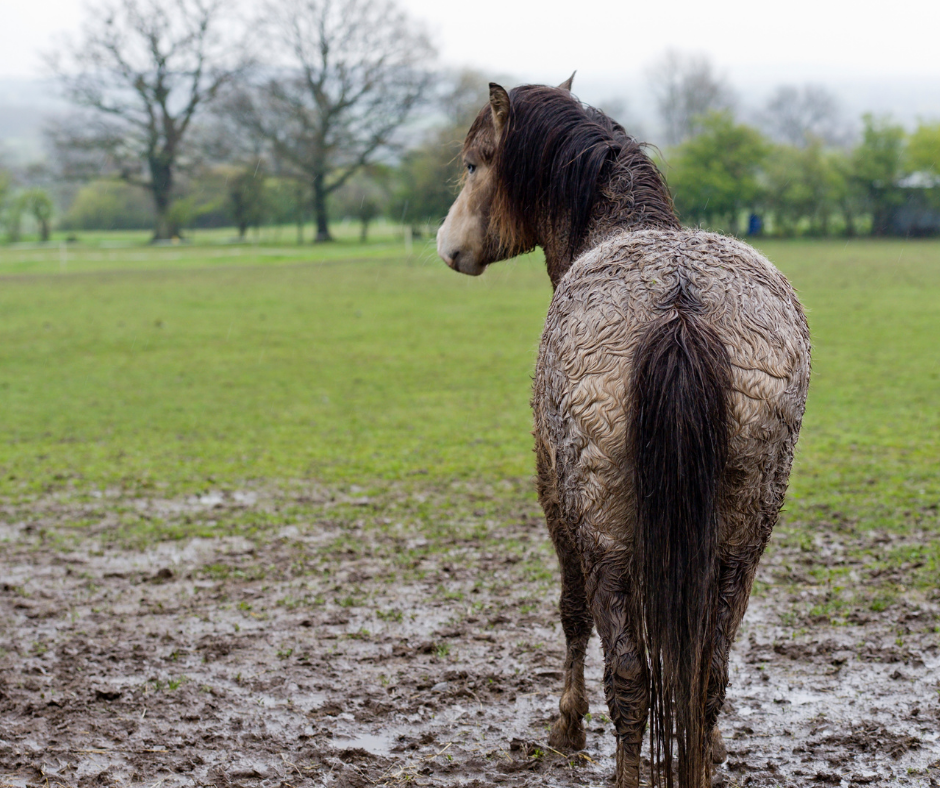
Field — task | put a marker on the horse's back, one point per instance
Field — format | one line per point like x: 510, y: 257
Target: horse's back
x: 595, y: 322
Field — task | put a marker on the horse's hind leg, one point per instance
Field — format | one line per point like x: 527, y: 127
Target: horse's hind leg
x: 734, y: 581
x: 568, y: 731
x: 626, y: 682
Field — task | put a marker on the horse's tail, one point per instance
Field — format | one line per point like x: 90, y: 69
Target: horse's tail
x: 679, y: 445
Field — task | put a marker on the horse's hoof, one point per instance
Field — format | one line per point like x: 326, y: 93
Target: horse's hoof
x: 567, y: 737
x: 719, y: 751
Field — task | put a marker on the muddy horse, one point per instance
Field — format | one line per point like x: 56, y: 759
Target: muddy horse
x: 669, y: 391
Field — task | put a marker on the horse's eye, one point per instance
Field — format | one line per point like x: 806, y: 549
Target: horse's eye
x: 471, y: 168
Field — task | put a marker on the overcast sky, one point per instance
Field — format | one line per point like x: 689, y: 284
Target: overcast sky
x: 873, y: 56
x: 545, y: 40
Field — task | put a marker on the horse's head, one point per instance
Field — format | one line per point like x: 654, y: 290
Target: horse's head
x: 475, y: 233
x: 466, y: 241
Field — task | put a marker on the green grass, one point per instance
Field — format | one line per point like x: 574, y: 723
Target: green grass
x: 870, y: 446
x: 129, y: 250
x: 338, y: 371
x: 352, y: 364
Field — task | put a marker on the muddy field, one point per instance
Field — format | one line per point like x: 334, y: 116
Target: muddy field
x: 304, y: 637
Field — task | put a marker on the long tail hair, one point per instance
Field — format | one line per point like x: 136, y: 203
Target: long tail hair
x: 679, y: 444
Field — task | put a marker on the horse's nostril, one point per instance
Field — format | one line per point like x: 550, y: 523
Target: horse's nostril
x: 453, y: 257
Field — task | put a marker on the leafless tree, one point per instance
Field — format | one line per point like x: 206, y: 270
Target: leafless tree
x: 686, y: 88
x: 797, y: 115
x: 351, y: 73
x: 463, y: 93
x: 140, y: 73
x: 618, y: 108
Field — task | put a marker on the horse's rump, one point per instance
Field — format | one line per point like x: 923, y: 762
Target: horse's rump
x: 728, y: 326
x: 678, y: 440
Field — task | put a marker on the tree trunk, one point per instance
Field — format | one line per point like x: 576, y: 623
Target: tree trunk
x: 849, y: 217
x: 364, y: 231
x: 161, y: 186
x: 319, y: 209
x: 14, y: 221
x: 162, y: 231
x: 881, y: 213
x: 299, y: 199
x: 44, y: 230
x: 878, y: 221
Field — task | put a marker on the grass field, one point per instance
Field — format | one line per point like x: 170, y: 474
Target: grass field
x: 177, y: 370
x: 348, y: 363
x: 229, y: 470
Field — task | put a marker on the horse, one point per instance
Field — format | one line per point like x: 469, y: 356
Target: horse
x: 669, y: 392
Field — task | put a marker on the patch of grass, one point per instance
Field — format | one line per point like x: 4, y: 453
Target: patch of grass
x: 171, y: 381
x: 122, y: 251
x: 350, y: 601
x: 871, y: 435
x: 168, y: 372
x: 882, y: 601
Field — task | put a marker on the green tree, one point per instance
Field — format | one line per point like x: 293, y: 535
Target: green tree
x: 802, y: 184
x: 6, y: 189
x: 923, y: 149
x: 39, y: 204
x: 877, y: 164
x: 427, y: 181
x: 13, y: 217
x: 714, y: 176
x: 6, y: 184
x: 365, y: 197
x: 848, y: 196
x: 246, y: 196
x: 923, y: 160
x: 286, y: 202
x: 109, y: 205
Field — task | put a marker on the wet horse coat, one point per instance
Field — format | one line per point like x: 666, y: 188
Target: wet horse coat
x: 669, y: 391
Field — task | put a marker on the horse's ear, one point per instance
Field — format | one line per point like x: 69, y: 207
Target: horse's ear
x: 499, y: 103
x: 566, y: 85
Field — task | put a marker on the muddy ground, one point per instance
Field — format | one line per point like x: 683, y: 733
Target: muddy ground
x: 303, y: 637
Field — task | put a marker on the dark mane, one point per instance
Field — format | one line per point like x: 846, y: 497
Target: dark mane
x: 555, y: 158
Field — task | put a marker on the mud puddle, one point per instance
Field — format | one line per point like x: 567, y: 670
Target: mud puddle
x: 380, y: 643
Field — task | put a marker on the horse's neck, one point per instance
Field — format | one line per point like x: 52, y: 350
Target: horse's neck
x: 619, y: 208
x: 558, y: 258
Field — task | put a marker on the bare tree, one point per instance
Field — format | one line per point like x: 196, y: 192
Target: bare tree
x: 686, y: 88
x: 142, y: 71
x: 463, y: 93
x: 797, y: 115
x: 618, y: 108
x: 352, y: 72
